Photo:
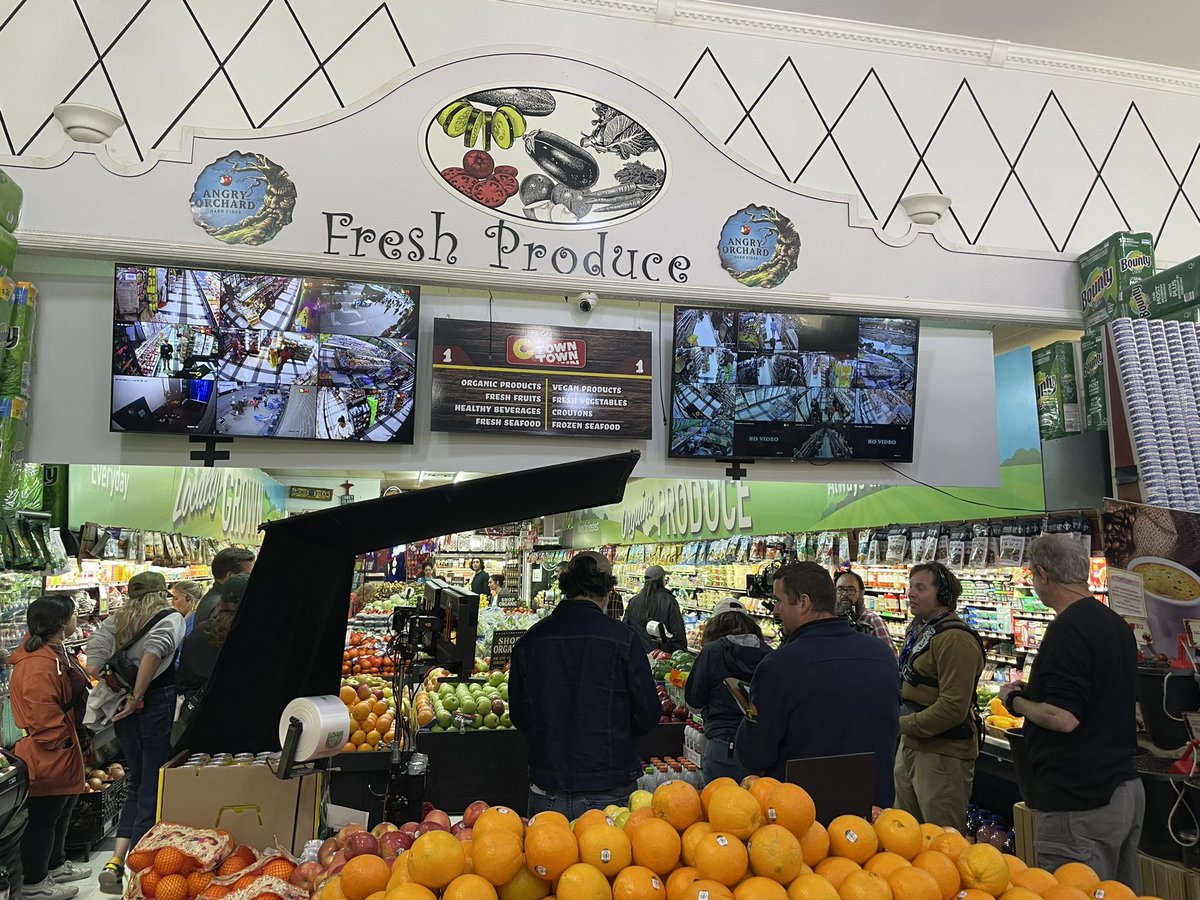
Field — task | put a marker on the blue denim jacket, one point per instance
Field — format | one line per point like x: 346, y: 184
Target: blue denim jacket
x: 580, y: 689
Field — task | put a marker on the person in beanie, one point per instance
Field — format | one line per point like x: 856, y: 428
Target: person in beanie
x: 143, y: 722
x: 654, y: 608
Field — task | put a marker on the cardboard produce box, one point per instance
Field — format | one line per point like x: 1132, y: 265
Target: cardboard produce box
x: 1108, y: 273
x: 1055, y: 378
x: 247, y: 801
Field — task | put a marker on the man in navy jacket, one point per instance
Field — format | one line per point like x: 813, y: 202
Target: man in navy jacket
x: 581, y: 690
x: 827, y: 691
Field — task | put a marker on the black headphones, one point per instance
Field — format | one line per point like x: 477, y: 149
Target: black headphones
x: 944, y: 596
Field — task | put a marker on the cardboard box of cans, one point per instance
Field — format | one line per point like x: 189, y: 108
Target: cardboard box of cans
x: 1108, y: 273
x: 1056, y: 381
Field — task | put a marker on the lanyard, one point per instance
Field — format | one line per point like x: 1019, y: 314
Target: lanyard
x: 916, y: 634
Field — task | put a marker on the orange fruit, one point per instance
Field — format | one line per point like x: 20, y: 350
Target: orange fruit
x: 1105, y: 890
x: 246, y: 880
x: 775, y: 853
x: 278, y: 868
x: 548, y: 817
x: 835, y: 868
x: 638, y: 883
x: 378, y: 895
x: 791, y: 806
x: 690, y: 838
x: 707, y: 889
x: 469, y: 887
x: 885, y: 863
x: 811, y: 886
x: 400, y: 873
x: 899, y: 832
x: 982, y: 866
x: 911, y: 883
x: 332, y: 889
x: 679, y: 880
x: 852, y: 837
x: 637, y: 817
x: 360, y: 711
x: 496, y: 855
x: 1020, y: 893
x: 864, y: 886
x: 168, y: 861
x: 735, y: 811
x: 943, y: 870
x: 214, y: 892
x: 712, y: 787
x: 678, y: 802
x: 435, y: 859
x: 1015, y: 863
x: 1034, y: 879
x: 1072, y: 874
x: 607, y: 848
x: 380, y: 708
x: 760, y: 888
x: 410, y: 891
x: 149, y: 882
x: 348, y: 695
x: 139, y: 860
x: 1063, y: 892
x: 525, y: 886
x: 950, y: 843
x: 583, y: 882
x: 364, y: 875
x: 171, y: 887
x: 928, y: 833
x: 656, y: 845
x: 197, y: 882
x: 815, y: 844
x: 721, y: 857
x: 497, y: 817
x: 550, y: 849
x: 590, y: 818
x: 759, y: 789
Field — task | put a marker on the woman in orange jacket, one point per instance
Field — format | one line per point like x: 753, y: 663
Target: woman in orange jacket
x: 49, y: 694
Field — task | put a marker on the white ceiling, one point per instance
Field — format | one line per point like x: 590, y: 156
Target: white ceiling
x: 1166, y: 32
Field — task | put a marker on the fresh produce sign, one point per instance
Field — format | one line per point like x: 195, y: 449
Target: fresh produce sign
x: 502, y: 647
x: 527, y: 379
x: 549, y: 156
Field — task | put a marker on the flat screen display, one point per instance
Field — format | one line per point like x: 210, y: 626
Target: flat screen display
x: 792, y: 385
x: 198, y: 351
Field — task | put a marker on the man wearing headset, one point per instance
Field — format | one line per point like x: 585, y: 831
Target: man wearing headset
x: 940, y: 667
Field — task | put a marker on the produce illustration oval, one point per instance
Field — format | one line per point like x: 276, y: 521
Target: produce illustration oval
x: 545, y: 156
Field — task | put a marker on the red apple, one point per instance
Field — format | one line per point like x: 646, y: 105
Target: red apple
x: 339, y: 860
x: 348, y: 830
x: 363, y: 692
x: 329, y: 847
x: 471, y: 813
x: 383, y: 828
x: 525, y: 821
x: 428, y: 826
x: 362, y: 843
x: 427, y: 808
x: 436, y: 815
x: 306, y: 875
x: 464, y: 834
x: 394, y: 843
x: 337, y: 870
x: 409, y: 827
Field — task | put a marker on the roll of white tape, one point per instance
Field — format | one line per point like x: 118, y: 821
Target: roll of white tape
x: 325, y: 723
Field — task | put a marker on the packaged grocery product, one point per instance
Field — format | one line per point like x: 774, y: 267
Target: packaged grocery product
x: 1095, y: 404
x: 18, y: 357
x: 1057, y: 386
x: 10, y: 203
x: 12, y: 448
x: 1108, y: 272
x: 1172, y: 290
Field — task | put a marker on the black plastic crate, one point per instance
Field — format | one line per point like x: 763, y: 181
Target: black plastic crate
x: 96, y: 814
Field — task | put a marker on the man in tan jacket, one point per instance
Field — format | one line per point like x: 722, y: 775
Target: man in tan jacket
x: 939, y: 733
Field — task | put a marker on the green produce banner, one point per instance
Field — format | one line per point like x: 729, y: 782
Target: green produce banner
x: 218, y: 503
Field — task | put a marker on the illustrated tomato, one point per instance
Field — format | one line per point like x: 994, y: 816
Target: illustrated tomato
x: 506, y: 170
x: 508, y: 182
x: 490, y: 193
x: 478, y: 163
x: 453, y: 172
x: 464, y: 183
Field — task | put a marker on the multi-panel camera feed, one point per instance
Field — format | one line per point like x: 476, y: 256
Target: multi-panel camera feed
x: 205, y: 352
x: 792, y: 385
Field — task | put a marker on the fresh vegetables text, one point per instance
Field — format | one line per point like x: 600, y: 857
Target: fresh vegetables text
x: 603, y: 259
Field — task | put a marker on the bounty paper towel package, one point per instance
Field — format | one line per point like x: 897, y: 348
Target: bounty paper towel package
x: 1158, y: 296
x: 1095, y: 403
x: 1054, y: 379
x: 1107, y: 274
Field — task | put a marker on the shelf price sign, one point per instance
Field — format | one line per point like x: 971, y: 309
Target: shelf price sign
x: 502, y: 647
x: 531, y: 379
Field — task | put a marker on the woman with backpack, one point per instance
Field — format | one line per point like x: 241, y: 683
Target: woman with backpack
x: 732, y: 647
x: 49, y: 692
x: 656, y: 608
x: 137, y: 645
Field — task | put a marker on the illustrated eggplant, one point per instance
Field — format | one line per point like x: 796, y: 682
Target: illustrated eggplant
x: 562, y: 160
x: 527, y: 101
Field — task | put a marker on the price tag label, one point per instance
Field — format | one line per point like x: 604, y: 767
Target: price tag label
x: 1126, y: 595
x: 1192, y: 721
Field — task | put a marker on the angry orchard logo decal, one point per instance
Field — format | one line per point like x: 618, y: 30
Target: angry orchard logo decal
x: 759, y: 246
x: 243, y: 198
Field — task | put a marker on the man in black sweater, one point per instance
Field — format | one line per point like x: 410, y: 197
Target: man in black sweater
x: 1080, y: 722
x: 230, y: 561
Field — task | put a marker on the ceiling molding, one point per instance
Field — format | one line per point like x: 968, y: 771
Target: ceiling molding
x: 720, y: 16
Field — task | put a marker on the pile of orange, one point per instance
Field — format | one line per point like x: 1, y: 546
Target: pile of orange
x: 367, y: 655
x: 731, y: 842
x: 170, y: 874
x: 372, y: 722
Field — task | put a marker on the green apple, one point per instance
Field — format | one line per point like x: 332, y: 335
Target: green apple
x: 506, y: 720
x: 621, y: 818
x: 491, y: 720
x: 639, y: 799
x: 497, y: 678
x: 437, y: 728
x: 452, y: 703
x: 504, y: 692
x: 611, y: 810
x: 468, y: 707
x: 443, y: 718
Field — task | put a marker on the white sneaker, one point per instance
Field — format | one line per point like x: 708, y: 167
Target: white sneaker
x: 70, y: 871
x: 46, y: 889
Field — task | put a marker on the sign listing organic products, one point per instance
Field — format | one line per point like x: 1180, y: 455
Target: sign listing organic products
x: 534, y: 379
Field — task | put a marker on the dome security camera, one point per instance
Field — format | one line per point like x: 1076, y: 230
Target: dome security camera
x: 587, y: 301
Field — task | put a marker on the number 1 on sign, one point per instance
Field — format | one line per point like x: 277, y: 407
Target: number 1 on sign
x: 640, y: 368
x: 446, y: 355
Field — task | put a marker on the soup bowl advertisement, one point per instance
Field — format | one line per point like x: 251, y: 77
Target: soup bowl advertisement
x: 1162, y: 548
x: 545, y: 155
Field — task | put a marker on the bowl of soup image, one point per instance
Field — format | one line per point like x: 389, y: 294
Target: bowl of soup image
x: 1167, y: 579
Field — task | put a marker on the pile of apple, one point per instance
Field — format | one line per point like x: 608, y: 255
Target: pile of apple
x: 471, y: 706
x: 670, y: 711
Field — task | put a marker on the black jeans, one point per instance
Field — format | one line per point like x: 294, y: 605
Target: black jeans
x: 145, y: 739
x: 43, y: 846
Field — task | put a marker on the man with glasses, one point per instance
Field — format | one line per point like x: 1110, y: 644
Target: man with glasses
x: 851, y: 603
